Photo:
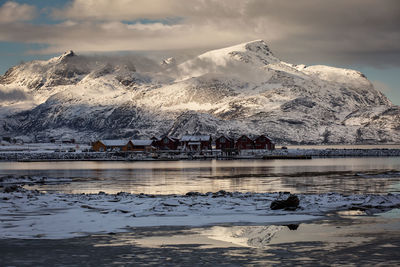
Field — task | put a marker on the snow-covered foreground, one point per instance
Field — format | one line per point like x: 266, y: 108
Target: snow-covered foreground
x: 32, y: 214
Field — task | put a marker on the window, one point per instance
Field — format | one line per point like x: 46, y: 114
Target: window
x: 166, y: 141
x: 222, y: 140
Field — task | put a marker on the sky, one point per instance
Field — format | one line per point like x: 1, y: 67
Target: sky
x: 357, y: 34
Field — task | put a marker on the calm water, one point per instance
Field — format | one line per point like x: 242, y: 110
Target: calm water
x: 343, y: 175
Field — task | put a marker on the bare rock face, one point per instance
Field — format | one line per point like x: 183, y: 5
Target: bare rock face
x: 291, y: 203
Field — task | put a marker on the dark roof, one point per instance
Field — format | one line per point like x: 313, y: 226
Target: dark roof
x: 226, y: 137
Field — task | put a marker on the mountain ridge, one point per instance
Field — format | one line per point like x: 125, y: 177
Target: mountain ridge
x: 243, y: 89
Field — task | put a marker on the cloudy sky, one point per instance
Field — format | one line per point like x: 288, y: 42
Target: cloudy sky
x: 359, y: 34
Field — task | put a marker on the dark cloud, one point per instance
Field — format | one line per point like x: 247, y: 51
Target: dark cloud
x: 339, y: 32
x: 342, y: 31
x: 7, y: 95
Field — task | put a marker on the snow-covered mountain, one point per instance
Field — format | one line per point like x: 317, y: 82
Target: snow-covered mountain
x: 237, y: 90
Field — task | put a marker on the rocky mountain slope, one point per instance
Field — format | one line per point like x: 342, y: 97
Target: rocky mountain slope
x: 237, y: 90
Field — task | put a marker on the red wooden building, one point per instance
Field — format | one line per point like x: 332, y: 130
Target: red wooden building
x: 167, y: 143
x: 112, y: 145
x: 196, y: 142
x: 224, y: 143
x: 244, y: 142
x: 263, y: 142
x: 143, y: 145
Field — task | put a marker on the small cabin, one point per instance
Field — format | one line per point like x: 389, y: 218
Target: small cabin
x: 263, y: 142
x: 143, y: 145
x: 167, y: 143
x: 196, y: 142
x: 112, y: 145
x: 244, y: 142
x: 224, y: 143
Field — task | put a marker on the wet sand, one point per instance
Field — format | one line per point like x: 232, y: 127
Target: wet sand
x: 341, y: 239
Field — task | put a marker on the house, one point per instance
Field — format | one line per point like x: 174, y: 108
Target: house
x: 224, y: 143
x: 196, y: 142
x: 112, y: 145
x: 263, y: 142
x: 244, y: 142
x: 167, y: 143
x: 143, y: 145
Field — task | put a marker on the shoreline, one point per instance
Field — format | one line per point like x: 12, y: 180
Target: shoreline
x: 282, y: 154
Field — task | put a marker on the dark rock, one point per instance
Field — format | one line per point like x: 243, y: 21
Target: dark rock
x: 291, y: 203
x: 221, y: 193
x: 88, y: 207
x: 12, y: 188
x: 192, y: 194
x: 122, y: 211
x: 292, y: 227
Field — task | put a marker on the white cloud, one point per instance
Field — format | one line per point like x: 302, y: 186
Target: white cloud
x: 149, y: 9
x: 12, y: 12
x: 381, y: 86
x: 12, y: 94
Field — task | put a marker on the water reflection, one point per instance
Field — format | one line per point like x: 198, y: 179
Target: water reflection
x: 364, y: 241
x: 346, y: 175
x: 248, y: 236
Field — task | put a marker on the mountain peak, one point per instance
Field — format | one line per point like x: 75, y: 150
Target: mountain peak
x: 254, y: 52
x: 67, y: 54
x: 257, y: 46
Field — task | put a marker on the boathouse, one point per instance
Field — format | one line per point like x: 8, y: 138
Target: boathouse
x: 263, y: 142
x: 112, y: 145
x: 167, y: 143
x: 224, y: 143
x: 196, y: 142
x: 143, y: 145
x: 244, y: 142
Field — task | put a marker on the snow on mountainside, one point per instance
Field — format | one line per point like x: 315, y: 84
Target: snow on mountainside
x: 237, y: 90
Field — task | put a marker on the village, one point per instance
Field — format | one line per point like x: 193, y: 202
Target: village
x: 187, y: 145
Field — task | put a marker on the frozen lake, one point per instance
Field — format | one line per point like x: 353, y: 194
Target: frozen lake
x: 341, y: 175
